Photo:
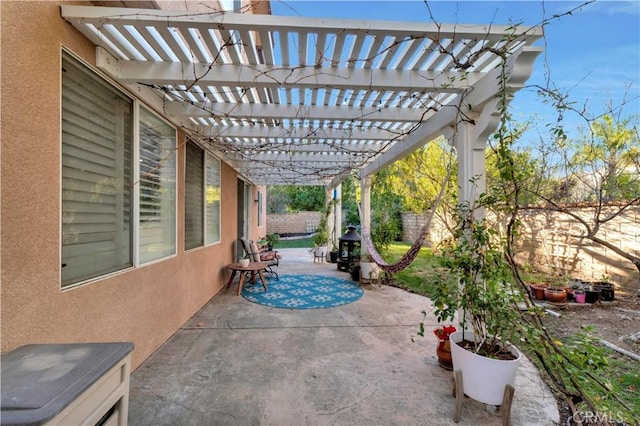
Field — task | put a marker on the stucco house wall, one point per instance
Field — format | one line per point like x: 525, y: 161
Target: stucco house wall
x: 145, y: 304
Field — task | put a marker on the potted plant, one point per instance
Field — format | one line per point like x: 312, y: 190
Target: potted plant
x: 592, y: 293
x: 320, y: 240
x: 272, y: 240
x: 369, y: 270
x: 538, y: 290
x: 333, y: 254
x: 555, y: 295
x: 579, y: 295
x: 607, y: 292
x: 443, y: 350
x: 477, y: 283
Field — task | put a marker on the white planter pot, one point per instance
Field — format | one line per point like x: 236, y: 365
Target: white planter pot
x: 369, y: 270
x: 320, y: 251
x: 484, y: 379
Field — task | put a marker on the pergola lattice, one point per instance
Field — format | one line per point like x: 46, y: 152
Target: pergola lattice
x: 306, y: 101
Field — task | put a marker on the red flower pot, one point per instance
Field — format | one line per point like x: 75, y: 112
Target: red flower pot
x: 444, y: 354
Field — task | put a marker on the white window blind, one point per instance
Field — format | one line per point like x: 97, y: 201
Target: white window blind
x: 96, y: 175
x: 157, y: 232
x: 194, y: 197
x: 212, y: 207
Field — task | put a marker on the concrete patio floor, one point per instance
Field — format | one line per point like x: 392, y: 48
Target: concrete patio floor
x: 239, y: 363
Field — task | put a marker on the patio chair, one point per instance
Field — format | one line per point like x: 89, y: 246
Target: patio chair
x: 256, y: 255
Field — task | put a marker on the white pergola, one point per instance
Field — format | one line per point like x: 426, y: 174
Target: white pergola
x: 308, y: 101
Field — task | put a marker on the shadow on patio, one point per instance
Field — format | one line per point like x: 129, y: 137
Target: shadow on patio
x: 236, y: 362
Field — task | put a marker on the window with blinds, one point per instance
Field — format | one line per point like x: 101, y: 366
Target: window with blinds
x: 157, y: 231
x: 212, y: 206
x: 194, y: 197
x: 97, y: 144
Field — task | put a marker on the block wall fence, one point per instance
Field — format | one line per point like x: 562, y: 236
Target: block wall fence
x: 546, y: 243
x: 293, y: 223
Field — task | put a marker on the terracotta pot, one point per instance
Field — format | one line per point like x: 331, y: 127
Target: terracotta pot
x: 538, y: 290
x: 555, y: 295
x: 443, y: 351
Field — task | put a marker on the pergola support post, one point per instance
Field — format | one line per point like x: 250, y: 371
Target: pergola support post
x: 471, y: 165
x: 334, y: 220
x: 470, y: 141
x: 365, y: 207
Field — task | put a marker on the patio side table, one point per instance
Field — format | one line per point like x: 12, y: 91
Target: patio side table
x: 253, y: 268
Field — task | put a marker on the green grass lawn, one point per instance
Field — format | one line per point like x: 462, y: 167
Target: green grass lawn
x: 412, y: 278
x: 303, y: 243
x: 415, y: 276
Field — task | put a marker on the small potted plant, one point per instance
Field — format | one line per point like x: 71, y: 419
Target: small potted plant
x: 579, y: 295
x: 555, y: 295
x: 369, y: 270
x: 272, y: 240
x: 538, y: 290
x: 443, y: 351
x: 333, y: 254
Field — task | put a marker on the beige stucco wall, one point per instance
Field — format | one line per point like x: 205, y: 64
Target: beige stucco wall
x: 145, y: 305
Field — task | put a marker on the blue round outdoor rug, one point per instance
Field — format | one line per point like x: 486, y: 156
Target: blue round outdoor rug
x: 300, y: 291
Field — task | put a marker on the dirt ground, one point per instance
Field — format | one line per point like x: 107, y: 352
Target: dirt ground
x: 617, y: 322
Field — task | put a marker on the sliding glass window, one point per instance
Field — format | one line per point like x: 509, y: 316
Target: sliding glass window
x: 157, y: 232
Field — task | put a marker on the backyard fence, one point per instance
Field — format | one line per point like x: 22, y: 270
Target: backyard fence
x: 293, y: 223
x: 546, y: 243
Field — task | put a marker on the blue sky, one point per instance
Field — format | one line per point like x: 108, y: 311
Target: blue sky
x: 594, y: 53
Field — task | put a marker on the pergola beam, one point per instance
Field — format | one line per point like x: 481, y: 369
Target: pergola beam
x: 287, y: 158
x: 298, y: 133
x: 248, y: 22
x: 303, y: 77
x: 252, y: 111
x: 262, y: 146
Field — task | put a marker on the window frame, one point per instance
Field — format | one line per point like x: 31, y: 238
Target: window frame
x: 208, y: 158
x: 187, y: 192
x: 138, y: 186
x: 260, y: 205
x: 134, y: 232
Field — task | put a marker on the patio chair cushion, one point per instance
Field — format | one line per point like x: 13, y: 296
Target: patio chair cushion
x: 264, y: 256
x: 254, y: 253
